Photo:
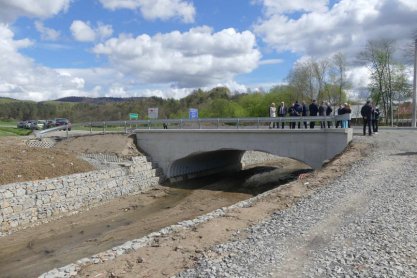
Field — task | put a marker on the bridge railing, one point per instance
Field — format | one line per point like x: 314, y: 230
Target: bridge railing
x: 203, y: 123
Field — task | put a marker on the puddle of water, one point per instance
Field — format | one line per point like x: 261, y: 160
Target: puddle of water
x: 31, y: 252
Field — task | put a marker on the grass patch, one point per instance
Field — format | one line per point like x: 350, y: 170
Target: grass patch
x: 8, y: 123
x: 13, y: 131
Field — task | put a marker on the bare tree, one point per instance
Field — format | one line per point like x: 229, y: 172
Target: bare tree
x: 377, y: 55
x: 339, y: 68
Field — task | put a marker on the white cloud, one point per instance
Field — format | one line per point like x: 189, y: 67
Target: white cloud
x: 344, y: 27
x: 195, y: 58
x: 83, y: 32
x: 271, y: 62
x: 21, y: 78
x: 155, y: 9
x: 10, y: 10
x: 285, y: 6
x: 46, y: 33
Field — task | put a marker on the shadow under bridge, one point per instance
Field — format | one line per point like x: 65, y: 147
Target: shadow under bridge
x: 188, y: 153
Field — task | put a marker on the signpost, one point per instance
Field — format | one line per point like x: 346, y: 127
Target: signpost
x: 153, y: 113
x: 193, y: 113
x: 133, y: 116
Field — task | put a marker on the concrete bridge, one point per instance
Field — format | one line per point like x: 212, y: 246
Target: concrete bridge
x: 193, y: 152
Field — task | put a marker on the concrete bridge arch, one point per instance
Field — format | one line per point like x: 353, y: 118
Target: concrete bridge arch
x: 193, y: 152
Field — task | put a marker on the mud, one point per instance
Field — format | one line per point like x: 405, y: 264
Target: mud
x: 33, y: 251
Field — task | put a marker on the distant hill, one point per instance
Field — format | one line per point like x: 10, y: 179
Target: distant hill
x: 7, y: 99
x: 99, y: 100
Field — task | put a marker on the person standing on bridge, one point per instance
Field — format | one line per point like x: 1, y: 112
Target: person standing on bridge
x: 282, y: 112
x: 298, y: 112
x: 292, y: 113
x: 346, y: 111
x: 314, y: 109
x: 322, y: 113
x: 273, y: 114
x: 329, y: 111
x: 375, y: 119
x: 366, y: 113
x: 304, y: 113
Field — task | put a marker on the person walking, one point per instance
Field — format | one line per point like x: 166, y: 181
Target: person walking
x: 282, y: 112
x: 366, y: 112
x: 272, y: 114
x: 375, y: 119
x: 314, y: 110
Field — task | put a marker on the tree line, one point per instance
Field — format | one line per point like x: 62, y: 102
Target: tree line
x: 218, y: 102
x: 321, y: 79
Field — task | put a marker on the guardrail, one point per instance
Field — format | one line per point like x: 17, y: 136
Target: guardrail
x: 204, y: 123
x: 41, y: 133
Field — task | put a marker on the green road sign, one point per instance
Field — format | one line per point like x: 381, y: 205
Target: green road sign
x: 133, y: 116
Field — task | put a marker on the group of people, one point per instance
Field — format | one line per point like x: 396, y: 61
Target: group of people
x: 300, y: 109
x: 370, y: 115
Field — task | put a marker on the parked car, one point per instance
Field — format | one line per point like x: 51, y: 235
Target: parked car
x: 21, y: 124
x: 39, y: 124
x: 49, y: 124
x: 29, y: 124
x: 63, y: 122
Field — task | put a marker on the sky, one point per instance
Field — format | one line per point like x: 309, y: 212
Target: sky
x: 51, y: 49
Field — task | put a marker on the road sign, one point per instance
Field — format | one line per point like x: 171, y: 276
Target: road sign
x: 133, y: 116
x: 193, y: 113
x: 153, y: 113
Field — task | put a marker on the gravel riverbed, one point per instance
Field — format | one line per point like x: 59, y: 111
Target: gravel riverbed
x: 363, y: 224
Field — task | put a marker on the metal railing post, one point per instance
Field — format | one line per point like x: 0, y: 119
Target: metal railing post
x: 257, y: 123
x: 125, y: 127
x: 218, y: 123
x: 91, y: 127
x: 199, y: 124
x: 104, y: 127
x: 237, y: 125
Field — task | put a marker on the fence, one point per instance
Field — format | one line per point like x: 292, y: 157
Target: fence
x: 206, y: 123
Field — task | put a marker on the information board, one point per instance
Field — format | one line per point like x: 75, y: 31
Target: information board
x: 133, y: 116
x: 153, y: 113
x: 193, y: 113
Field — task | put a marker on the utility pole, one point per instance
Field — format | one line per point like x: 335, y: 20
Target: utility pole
x: 413, y: 120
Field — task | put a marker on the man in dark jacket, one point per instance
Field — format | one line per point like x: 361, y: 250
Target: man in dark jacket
x: 304, y: 113
x: 375, y: 119
x: 322, y: 112
x: 314, y: 110
x: 282, y: 111
x: 340, y: 111
x: 292, y: 113
x: 366, y: 113
x: 329, y: 111
x: 298, y: 111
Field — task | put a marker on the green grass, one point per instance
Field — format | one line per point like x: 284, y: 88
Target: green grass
x: 8, y: 123
x: 13, y: 131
